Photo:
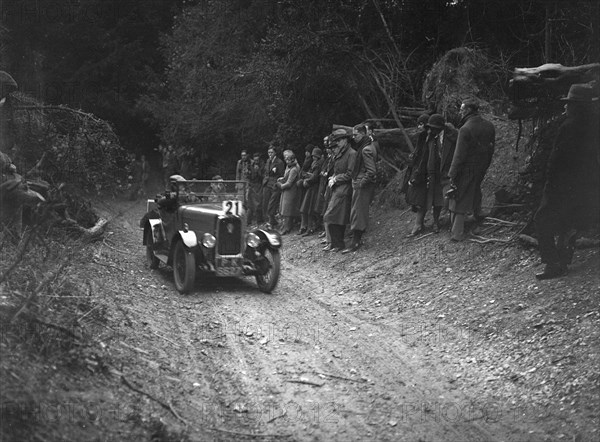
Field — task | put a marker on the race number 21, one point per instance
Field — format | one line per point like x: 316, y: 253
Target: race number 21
x: 233, y: 207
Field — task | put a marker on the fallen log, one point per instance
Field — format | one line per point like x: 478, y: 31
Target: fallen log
x: 535, y: 91
x: 392, y: 143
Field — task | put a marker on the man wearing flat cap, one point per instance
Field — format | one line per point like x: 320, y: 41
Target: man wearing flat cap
x: 364, y: 175
x: 472, y: 158
x: 337, y: 215
x: 571, y: 196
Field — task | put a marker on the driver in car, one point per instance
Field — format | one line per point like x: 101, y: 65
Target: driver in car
x: 168, y: 200
x: 216, y: 190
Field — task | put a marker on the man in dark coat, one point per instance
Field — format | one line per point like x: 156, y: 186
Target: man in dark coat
x: 472, y: 158
x: 416, y: 189
x: 304, y: 171
x: 274, y: 168
x: 364, y: 175
x: 439, y: 150
x: 571, y: 196
x: 243, y: 168
x: 337, y: 215
x: 255, y: 212
x: 324, y: 189
x: 310, y: 183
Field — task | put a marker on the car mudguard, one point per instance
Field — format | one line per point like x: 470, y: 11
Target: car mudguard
x: 189, y: 238
x: 270, y: 239
x: 158, y: 231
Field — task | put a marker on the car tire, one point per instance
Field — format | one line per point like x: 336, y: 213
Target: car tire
x: 151, y: 259
x: 267, y: 282
x: 184, y: 268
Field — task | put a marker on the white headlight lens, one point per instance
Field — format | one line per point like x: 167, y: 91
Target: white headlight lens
x: 208, y: 240
x: 252, y: 240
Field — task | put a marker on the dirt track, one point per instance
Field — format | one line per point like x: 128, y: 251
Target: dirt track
x: 308, y: 362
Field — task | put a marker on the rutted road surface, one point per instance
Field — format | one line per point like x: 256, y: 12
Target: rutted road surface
x: 233, y: 363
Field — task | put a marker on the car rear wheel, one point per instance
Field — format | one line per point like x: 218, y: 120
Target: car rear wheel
x: 184, y: 268
x: 267, y: 282
x: 151, y: 259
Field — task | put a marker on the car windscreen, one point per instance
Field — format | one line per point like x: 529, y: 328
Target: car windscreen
x: 213, y: 191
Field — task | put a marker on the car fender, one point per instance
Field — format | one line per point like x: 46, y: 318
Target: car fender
x: 154, y: 224
x: 269, y: 238
x: 189, y: 238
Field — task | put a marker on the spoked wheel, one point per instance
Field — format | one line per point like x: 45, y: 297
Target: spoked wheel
x: 267, y: 282
x: 184, y: 268
x: 151, y: 259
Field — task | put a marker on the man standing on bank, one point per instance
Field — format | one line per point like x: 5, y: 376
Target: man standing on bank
x: 363, y: 185
x: 571, y: 196
x: 472, y: 158
x: 274, y: 169
x: 337, y: 215
x: 440, y: 145
x: 310, y: 183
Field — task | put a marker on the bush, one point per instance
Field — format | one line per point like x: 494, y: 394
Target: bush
x: 63, y: 145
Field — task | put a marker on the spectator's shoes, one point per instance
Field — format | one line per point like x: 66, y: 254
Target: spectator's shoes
x: 352, y: 248
x: 552, y: 271
x: 302, y: 231
x: 322, y: 234
x: 415, y: 232
x: 309, y: 232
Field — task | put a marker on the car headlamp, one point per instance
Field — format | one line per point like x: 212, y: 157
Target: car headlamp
x: 252, y: 240
x: 208, y: 240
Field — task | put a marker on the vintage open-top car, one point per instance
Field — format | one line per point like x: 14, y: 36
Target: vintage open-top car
x: 200, y: 227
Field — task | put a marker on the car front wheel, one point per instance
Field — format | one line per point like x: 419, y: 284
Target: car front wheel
x: 184, y: 268
x: 267, y: 281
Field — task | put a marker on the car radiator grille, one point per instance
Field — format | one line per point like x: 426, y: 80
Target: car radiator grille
x: 229, y: 239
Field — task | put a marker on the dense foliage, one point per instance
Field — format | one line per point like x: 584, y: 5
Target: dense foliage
x: 214, y: 76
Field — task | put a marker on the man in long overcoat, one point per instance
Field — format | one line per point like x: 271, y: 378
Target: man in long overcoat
x: 337, y: 215
x: 364, y: 175
x: 416, y: 177
x: 571, y: 196
x: 274, y: 169
x: 310, y: 183
x: 472, y: 158
x: 324, y: 190
x: 255, y: 212
x: 439, y: 144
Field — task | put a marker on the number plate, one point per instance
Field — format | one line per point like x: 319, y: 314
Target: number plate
x: 233, y: 207
x: 229, y: 271
x: 229, y: 266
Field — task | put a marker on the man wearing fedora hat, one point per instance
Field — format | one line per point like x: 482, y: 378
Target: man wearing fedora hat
x: 571, y: 196
x: 337, y: 215
x: 472, y: 158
